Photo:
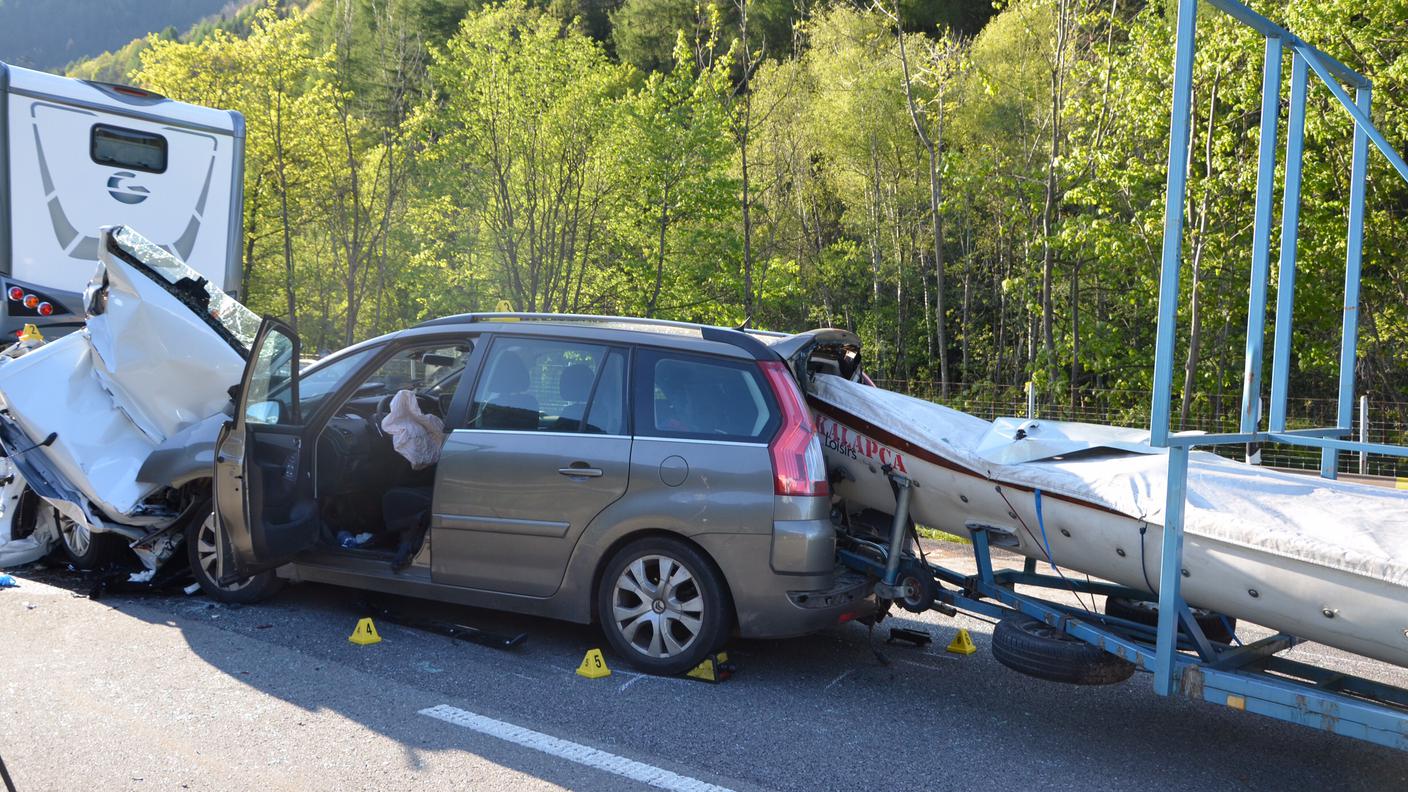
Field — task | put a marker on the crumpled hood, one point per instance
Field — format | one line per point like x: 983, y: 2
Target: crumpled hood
x: 145, y: 368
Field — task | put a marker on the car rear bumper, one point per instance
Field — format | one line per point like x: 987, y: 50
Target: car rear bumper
x: 773, y: 605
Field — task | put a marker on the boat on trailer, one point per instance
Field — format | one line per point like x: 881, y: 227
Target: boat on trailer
x: 1323, y: 560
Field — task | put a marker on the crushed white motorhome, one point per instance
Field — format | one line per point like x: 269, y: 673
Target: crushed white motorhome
x: 114, y: 426
x: 77, y: 155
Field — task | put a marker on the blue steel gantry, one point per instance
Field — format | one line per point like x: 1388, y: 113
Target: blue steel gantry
x: 1240, y: 679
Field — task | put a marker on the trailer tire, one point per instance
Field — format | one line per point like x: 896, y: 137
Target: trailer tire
x: 1217, y: 627
x: 1037, y: 649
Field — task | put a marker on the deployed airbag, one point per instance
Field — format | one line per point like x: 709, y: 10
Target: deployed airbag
x: 415, y: 435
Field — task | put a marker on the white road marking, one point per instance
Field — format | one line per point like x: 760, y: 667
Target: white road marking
x: 572, y: 752
x: 838, y: 679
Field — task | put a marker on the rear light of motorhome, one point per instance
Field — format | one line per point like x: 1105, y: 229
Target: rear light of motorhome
x: 797, y: 465
x: 31, y: 301
x: 45, y: 309
x: 16, y: 293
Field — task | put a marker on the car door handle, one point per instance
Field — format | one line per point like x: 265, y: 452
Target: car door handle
x: 583, y: 472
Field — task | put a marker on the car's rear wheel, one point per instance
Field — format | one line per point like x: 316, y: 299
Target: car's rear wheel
x: 85, y: 549
x: 662, y: 605
x: 202, y: 538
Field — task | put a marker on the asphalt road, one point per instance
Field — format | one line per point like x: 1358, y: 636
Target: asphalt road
x: 177, y: 692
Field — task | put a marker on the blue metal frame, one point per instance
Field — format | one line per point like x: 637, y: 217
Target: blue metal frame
x: 1236, y: 677
x: 1311, y: 701
x: 1182, y: 659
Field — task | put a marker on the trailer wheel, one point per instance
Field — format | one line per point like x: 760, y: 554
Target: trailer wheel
x: 921, y: 592
x: 1037, y: 649
x: 1217, y: 627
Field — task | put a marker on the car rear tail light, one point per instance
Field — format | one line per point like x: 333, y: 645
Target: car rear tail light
x: 16, y: 293
x: 30, y: 301
x: 45, y: 309
x: 797, y: 465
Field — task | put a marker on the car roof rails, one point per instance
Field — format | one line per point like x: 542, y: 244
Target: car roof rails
x: 726, y: 335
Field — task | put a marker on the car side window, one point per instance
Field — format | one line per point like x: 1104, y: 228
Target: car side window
x: 542, y: 385
x: 269, y: 391
x: 702, y: 398
x: 607, y: 414
x: 322, y: 379
x: 432, y: 370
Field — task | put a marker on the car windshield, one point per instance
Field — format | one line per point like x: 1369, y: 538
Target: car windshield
x: 235, y: 322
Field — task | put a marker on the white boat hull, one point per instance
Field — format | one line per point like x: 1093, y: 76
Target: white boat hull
x: 1361, y: 613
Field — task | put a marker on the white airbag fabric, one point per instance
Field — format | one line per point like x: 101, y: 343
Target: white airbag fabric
x: 1357, y: 528
x: 415, y: 435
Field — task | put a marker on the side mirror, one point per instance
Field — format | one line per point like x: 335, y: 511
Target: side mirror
x: 265, y: 412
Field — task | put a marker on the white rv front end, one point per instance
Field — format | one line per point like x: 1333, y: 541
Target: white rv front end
x: 78, y: 155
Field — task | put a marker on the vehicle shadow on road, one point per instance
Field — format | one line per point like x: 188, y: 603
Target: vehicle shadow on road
x: 819, y: 712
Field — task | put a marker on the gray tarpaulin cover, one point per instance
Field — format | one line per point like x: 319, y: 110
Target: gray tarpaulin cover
x: 1358, y: 528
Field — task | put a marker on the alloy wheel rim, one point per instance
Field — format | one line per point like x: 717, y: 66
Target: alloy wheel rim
x: 657, y: 606
x: 77, y: 538
x: 206, y: 554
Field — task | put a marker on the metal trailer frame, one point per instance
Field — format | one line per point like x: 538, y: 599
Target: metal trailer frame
x: 1247, y: 677
x: 1173, y: 672
x: 1182, y: 659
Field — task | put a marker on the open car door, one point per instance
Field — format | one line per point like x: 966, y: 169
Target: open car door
x: 263, y: 486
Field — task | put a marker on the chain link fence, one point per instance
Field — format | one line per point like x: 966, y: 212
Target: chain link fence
x: 1387, y: 421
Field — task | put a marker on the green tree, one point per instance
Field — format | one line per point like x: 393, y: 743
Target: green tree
x: 523, y: 105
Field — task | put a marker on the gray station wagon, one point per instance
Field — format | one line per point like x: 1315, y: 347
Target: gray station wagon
x: 662, y: 479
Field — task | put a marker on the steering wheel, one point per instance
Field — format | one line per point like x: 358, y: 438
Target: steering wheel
x: 428, y: 405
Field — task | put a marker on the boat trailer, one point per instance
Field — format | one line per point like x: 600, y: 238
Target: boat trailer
x: 1251, y: 677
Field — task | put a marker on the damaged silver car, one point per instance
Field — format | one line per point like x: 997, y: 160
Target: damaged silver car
x: 664, y: 480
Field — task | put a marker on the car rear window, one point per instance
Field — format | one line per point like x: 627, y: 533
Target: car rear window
x: 701, y: 398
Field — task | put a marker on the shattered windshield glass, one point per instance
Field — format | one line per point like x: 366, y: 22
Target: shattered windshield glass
x: 240, y: 323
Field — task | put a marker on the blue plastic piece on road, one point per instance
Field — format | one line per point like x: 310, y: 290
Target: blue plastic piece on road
x: 8, y: 581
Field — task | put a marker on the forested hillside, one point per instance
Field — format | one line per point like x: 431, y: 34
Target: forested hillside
x: 46, y: 34
x: 981, y: 199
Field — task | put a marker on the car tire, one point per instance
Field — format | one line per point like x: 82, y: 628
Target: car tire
x: 1217, y: 627
x: 651, y: 623
x: 1037, y: 649
x: 85, y: 549
x: 202, y: 533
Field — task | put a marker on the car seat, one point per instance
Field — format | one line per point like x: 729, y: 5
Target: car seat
x: 509, y: 404
x: 575, y: 387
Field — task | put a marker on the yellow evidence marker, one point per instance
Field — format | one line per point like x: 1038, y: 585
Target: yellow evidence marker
x: 365, y: 633
x: 713, y: 669
x: 593, y: 665
x: 962, y: 644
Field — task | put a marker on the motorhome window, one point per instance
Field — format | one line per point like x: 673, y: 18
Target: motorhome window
x: 128, y: 148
